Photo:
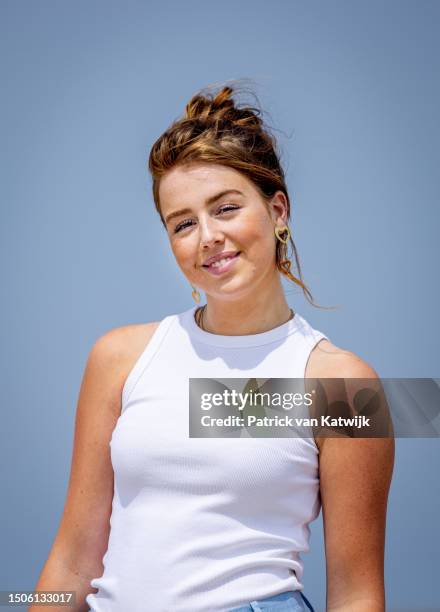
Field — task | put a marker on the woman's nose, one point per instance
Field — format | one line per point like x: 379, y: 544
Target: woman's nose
x: 209, y: 235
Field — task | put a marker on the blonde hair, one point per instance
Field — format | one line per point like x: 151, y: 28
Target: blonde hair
x: 216, y: 129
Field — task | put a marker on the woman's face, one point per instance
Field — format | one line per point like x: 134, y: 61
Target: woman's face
x: 210, y: 210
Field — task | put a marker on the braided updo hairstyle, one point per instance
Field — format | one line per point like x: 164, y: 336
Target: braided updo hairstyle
x: 216, y: 129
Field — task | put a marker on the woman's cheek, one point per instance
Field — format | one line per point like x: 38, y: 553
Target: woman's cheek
x: 254, y: 230
x: 186, y: 257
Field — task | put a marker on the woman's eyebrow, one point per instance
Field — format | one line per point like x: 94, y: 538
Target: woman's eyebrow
x: 219, y: 195
x: 210, y: 200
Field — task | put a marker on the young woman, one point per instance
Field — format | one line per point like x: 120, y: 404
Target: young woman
x: 157, y: 521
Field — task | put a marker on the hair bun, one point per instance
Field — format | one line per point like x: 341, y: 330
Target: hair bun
x: 220, y: 107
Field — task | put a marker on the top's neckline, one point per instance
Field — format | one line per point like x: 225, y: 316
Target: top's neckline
x: 272, y: 335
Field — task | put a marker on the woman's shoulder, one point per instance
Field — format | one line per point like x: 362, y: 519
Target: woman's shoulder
x: 120, y: 347
x: 330, y: 361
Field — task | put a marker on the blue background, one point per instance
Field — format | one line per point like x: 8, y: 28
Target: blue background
x: 87, y: 88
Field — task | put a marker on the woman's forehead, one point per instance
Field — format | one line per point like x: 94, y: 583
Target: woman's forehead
x: 199, y: 181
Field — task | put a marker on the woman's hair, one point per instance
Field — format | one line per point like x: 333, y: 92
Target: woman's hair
x: 216, y: 129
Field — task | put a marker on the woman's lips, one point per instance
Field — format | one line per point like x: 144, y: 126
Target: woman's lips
x: 217, y: 270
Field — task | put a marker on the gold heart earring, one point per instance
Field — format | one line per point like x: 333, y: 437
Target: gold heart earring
x: 285, y: 264
x: 281, y: 230
x: 196, y: 295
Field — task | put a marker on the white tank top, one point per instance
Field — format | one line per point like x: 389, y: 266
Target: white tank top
x: 205, y: 524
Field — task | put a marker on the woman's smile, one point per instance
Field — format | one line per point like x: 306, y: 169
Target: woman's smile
x: 222, y: 265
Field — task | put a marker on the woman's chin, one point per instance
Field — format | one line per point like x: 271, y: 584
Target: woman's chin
x: 233, y: 289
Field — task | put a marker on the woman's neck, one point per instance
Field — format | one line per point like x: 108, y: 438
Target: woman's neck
x: 255, y: 313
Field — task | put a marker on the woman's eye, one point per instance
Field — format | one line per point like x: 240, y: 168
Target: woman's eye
x: 228, y: 207
x: 188, y: 222
x: 181, y: 226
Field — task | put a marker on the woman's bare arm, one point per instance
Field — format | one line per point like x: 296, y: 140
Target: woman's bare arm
x: 82, y: 538
x: 355, y: 477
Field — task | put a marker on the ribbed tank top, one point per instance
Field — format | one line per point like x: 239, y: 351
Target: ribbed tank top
x: 205, y: 524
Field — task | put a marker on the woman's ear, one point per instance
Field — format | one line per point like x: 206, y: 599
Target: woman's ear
x: 278, y: 207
